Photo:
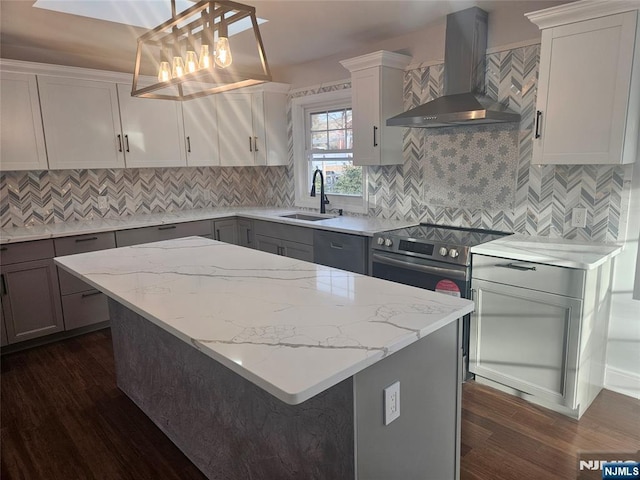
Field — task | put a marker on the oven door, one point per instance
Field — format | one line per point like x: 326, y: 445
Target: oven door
x: 431, y: 275
x: 422, y: 273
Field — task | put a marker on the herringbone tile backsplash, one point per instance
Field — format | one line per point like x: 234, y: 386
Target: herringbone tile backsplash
x: 478, y: 177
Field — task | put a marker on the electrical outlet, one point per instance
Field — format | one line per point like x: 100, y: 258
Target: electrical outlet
x: 391, y: 403
x: 103, y: 202
x: 579, y: 217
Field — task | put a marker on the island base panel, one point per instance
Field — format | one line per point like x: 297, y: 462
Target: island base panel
x: 228, y: 427
x: 423, y: 443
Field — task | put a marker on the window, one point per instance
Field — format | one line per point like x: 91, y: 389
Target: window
x: 323, y: 139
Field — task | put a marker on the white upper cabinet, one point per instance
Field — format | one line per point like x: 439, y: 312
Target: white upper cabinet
x: 588, y: 104
x: 81, y: 122
x: 201, y: 131
x: 21, y: 138
x: 252, y: 127
x: 376, y: 94
x: 153, y: 131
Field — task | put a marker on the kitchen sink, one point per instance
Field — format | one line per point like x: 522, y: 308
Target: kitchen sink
x: 304, y: 216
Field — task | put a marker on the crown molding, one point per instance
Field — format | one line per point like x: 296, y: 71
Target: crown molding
x: 381, y: 58
x: 580, y: 11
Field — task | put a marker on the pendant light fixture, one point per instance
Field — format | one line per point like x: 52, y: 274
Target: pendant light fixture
x: 169, y: 53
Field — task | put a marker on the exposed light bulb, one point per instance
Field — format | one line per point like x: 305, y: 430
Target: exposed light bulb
x: 164, y: 72
x: 192, y: 61
x: 205, y: 59
x: 178, y: 67
x: 223, y: 52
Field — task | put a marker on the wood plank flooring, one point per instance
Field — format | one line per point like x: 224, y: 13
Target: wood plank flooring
x: 62, y: 417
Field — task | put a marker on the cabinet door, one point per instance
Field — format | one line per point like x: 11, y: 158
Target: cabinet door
x: 153, y: 131
x: 296, y: 250
x: 366, y: 110
x: 245, y: 233
x: 583, y: 93
x: 31, y: 300
x: 3, y: 329
x: 526, y: 339
x: 226, y: 231
x: 82, y: 123
x: 272, y: 125
x: 21, y: 136
x: 235, y: 130
x: 201, y: 131
x: 268, y: 244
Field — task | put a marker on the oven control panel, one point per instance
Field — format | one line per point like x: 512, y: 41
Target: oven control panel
x: 412, y: 247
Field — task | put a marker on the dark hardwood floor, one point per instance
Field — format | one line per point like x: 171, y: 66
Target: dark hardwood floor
x: 62, y: 417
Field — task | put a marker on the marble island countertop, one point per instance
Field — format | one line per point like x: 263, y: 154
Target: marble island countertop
x: 551, y: 251
x: 291, y: 327
x: 364, y: 226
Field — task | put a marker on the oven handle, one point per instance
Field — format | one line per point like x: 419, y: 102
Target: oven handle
x: 444, y: 272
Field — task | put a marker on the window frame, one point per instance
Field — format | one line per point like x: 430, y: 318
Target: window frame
x: 300, y: 107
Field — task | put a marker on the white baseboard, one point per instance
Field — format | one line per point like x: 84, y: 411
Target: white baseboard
x: 621, y: 381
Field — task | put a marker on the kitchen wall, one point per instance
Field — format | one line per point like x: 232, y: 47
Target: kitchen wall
x: 482, y: 176
x: 42, y: 197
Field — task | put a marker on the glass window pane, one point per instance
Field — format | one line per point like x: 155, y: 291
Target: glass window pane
x: 349, y: 136
x: 337, y: 140
x: 319, y: 140
x: 336, y: 119
x: 319, y: 121
x: 348, y: 118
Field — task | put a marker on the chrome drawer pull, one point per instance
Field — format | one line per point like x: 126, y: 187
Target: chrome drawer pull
x: 88, y: 239
x: 336, y: 246
x: 517, y: 267
x: 168, y: 227
x: 91, y: 294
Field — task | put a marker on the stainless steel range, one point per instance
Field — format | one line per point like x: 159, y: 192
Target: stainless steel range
x: 433, y: 257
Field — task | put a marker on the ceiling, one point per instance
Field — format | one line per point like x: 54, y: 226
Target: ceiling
x: 297, y: 31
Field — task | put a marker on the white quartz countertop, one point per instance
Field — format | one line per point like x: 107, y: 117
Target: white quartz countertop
x: 291, y: 327
x: 551, y: 251
x: 364, y: 226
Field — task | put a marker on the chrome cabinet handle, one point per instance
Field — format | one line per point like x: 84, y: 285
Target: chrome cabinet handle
x: 119, y: 142
x: 336, y: 246
x: 126, y: 142
x: 217, y: 234
x: 521, y: 268
x: 255, y: 144
x: 538, y: 122
x: 188, y: 144
x: 167, y: 227
x: 250, y: 145
x: 4, y: 284
x: 375, y: 130
x: 248, y: 235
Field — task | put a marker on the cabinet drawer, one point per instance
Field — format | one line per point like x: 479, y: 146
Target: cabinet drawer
x: 125, y: 238
x: 84, y: 243
x: 339, y: 250
x: 568, y: 282
x: 26, y: 251
x: 82, y: 309
x: 80, y: 244
x: 280, y: 230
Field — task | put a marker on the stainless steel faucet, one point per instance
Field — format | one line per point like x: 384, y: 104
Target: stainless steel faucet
x: 323, y: 198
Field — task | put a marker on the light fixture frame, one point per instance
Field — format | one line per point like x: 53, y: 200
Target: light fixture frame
x: 204, y: 13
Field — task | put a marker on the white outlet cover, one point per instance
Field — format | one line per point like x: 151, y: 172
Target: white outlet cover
x: 391, y: 403
x: 579, y: 217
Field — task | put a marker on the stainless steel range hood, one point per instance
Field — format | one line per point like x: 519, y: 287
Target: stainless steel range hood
x: 464, y: 67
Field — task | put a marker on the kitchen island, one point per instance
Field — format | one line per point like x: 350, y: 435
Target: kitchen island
x: 259, y: 366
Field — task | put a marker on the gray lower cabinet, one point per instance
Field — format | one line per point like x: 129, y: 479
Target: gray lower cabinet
x: 82, y: 305
x: 226, y: 231
x: 340, y: 250
x: 539, y: 331
x: 136, y: 236
x: 286, y: 240
x: 245, y: 233
x: 31, y: 306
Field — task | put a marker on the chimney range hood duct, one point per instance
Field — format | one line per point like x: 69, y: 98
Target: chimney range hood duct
x: 464, y: 68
